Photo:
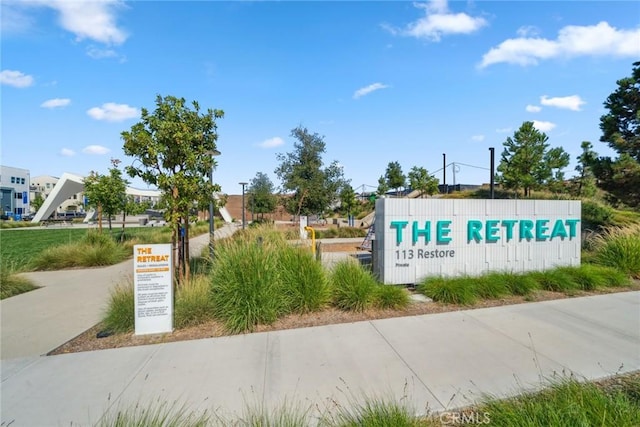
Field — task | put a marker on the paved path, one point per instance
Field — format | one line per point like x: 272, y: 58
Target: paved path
x: 433, y: 362
x: 69, y: 303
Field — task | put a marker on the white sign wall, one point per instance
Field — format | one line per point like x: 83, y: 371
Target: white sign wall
x: 153, y: 283
x: 416, y: 238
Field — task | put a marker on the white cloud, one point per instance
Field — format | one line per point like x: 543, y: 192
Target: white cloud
x: 67, y: 152
x: 543, y: 126
x: 56, y: 102
x: 438, y: 22
x: 97, y: 53
x: 94, y: 20
x: 528, y: 31
x: 477, y: 138
x: 368, y: 89
x: 594, y: 40
x: 95, y: 149
x: 276, y: 141
x: 533, y: 108
x: 573, y: 102
x: 503, y: 130
x: 13, y: 19
x: 15, y: 78
x: 112, y: 112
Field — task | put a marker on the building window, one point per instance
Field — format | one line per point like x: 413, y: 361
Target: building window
x: 48, y: 185
x: 17, y: 195
x: 13, y: 179
x: 75, y: 197
x: 21, y: 180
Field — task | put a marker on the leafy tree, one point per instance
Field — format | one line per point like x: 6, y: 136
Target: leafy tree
x: 261, y: 198
x: 37, y: 202
x: 621, y: 131
x: 555, y: 160
x: 348, y: 201
x: 585, y: 181
x: 383, y: 186
x: 106, y: 193
x: 314, y: 187
x: 527, y: 164
x: 395, y: 177
x: 420, y: 180
x: 621, y: 125
x: 174, y: 145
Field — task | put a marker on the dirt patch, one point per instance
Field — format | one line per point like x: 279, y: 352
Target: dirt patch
x: 88, y: 341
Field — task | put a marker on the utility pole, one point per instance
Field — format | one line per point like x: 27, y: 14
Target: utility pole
x: 491, y: 178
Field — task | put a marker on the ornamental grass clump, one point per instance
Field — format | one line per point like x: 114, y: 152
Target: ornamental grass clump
x: 120, y: 314
x: 620, y: 248
x: 246, y: 285
x: 354, y: 289
x: 460, y: 290
x: 193, y: 303
x: 390, y: 297
x: 304, y: 281
x: 555, y: 280
x: 93, y: 250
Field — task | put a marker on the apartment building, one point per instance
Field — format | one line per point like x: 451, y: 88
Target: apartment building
x: 14, y: 191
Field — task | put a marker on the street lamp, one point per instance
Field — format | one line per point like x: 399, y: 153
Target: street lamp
x: 243, y: 184
x: 213, y: 154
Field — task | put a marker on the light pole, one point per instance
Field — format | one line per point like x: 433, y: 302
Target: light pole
x: 213, y: 154
x: 243, y: 184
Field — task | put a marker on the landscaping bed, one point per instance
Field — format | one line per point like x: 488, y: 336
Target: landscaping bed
x: 88, y: 341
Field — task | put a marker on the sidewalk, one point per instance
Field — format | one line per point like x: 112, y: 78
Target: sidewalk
x: 438, y: 362
x: 69, y: 303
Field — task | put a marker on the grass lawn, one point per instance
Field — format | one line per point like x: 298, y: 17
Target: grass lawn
x: 19, y: 247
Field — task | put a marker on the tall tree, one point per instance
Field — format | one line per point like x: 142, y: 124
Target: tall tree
x: 621, y: 131
x: 37, y: 202
x: 420, y: 180
x: 175, y: 145
x: 348, y: 200
x: 527, y: 164
x: 302, y: 172
x: 585, y: 181
x: 106, y: 193
x: 261, y: 198
x: 395, y: 177
x: 383, y: 186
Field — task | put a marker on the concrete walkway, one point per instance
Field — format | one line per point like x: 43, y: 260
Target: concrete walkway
x: 69, y: 303
x: 433, y: 362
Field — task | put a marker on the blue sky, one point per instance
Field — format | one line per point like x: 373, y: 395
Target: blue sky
x: 381, y: 81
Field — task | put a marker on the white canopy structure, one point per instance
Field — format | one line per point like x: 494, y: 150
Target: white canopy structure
x: 66, y: 187
x: 70, y: 184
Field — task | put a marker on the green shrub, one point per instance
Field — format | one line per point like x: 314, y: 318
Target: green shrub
x: 619, y: 248
x: 353, y: 287
x: 304, y: 281
x: 193, y: 303
x: 120, y: 315
x: 391, y: 297
x: 246, y: 285
x: 449, y: 290
x: 596, y: 214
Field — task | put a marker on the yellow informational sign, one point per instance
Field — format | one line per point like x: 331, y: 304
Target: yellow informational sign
x: 152, y: 279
